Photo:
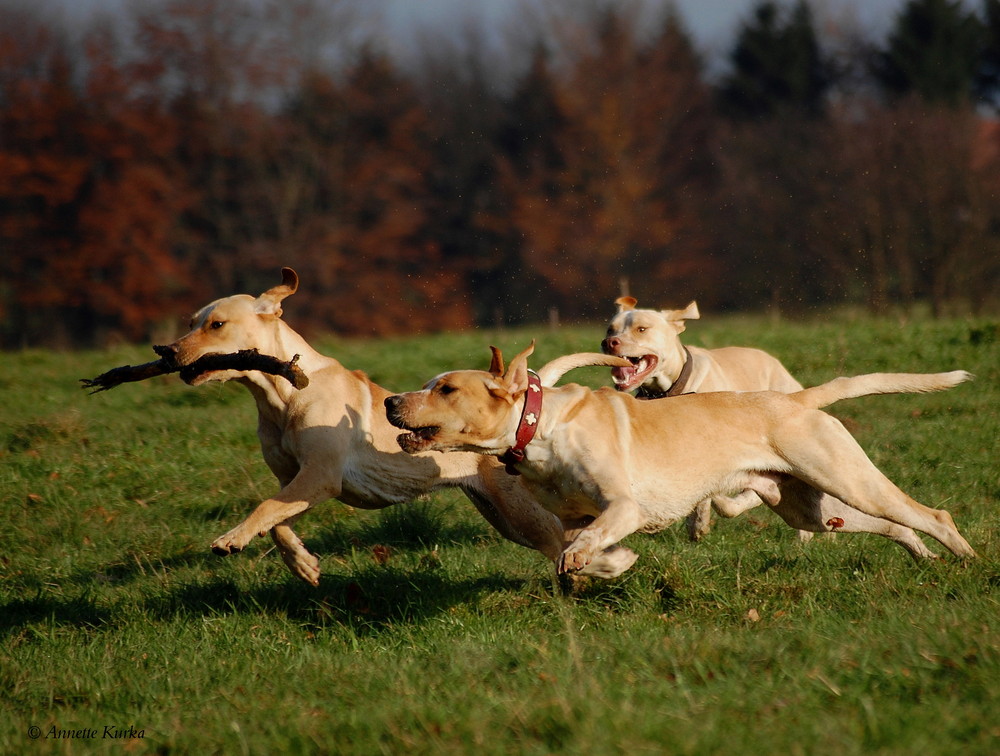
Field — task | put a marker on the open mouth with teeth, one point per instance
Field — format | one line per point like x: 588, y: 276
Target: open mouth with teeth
x: 628, y: 378
x: 417, y: 439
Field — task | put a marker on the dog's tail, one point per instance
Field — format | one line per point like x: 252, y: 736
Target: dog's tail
x: 877, y: 383
x: 557, y: 368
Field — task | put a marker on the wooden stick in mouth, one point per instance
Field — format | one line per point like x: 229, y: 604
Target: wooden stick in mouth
x: 243, y: 360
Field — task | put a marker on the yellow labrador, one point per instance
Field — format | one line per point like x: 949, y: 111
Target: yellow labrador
x: 661, y: 366
x: 609, y: 465
x: 332, y: 440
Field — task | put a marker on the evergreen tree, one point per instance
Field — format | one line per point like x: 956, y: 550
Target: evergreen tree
x: 988, y: 76
x: 934, y: 51
x: 533, y: 117
x: 777, y: 65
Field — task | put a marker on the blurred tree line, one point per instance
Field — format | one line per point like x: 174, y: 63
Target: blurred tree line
x: 192, y: 147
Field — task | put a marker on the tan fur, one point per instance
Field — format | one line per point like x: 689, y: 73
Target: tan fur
x: 609, y: 465
x: 655, y: 334
x: 332, y: 440
x: 651, y: 338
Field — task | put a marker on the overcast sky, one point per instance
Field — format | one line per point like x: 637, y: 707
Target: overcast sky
x: 712, y: 23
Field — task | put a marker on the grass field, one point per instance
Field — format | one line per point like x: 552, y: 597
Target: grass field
x: 430, y: 634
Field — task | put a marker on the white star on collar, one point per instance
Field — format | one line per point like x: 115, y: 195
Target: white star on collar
x: 534, y: 387
x: 531, y: 418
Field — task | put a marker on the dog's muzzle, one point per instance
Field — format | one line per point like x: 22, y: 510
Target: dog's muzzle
x: 416, y: 439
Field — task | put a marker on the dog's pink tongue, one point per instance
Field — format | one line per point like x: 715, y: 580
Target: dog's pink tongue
x: 623, y: 374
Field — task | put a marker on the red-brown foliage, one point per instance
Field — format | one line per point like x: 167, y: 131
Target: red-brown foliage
x: 141, y: 176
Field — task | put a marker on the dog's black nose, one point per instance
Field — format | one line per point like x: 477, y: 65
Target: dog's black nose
x: 610, y: 344
x: 392, y: 409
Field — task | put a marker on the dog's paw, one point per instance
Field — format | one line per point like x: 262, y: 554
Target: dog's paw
x: 573, y: 560
x: 228, y: 544
x: 610, y: 563
x: 699, y: 522
x: 303, y: 565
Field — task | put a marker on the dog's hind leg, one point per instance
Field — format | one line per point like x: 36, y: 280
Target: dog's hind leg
x: 508, y: 506
x: 822, y: 453
x: 700, y: 520
x: 807, y: 509
x: 733, y: 506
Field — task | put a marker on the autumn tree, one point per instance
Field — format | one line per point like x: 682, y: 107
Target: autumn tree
x: 366, y: 241
x: 212, y: 66
x: 126, y: 222
x: 605, y: 200
x: 88, y: 196
x: 525, y: 152
x: 987, y: 81
x: 457, y: 82
x: 914, y: 215
x: 43, y: 169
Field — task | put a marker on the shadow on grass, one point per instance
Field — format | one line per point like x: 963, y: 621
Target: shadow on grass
x: 371, y: 597
x: 368, y: 601
x: 78, y: 611
x: 416, y: 527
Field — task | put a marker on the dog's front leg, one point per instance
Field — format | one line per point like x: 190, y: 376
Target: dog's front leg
x: 299, y: 560
x: 621, y: 517
x: 288, y: 504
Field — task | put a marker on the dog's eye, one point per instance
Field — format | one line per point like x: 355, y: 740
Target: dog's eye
x: 216, y: 325
x: 641, y: 329
x: 447, y: 389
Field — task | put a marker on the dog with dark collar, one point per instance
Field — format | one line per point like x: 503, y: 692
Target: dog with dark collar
x: 662, y: 366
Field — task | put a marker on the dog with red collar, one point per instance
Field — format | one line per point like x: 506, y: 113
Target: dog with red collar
x: 608, y: 465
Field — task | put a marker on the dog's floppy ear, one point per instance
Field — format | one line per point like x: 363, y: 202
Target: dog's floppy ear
x: 516, y: 377
x: 677, y: 317
x: 625, y: 304
x: 496, y: 364
x: 269, y: 303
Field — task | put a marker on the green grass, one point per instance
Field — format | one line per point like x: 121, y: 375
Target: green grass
x: 430, y: 634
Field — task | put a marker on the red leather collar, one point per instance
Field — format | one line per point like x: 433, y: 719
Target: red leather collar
x: 526, y: 426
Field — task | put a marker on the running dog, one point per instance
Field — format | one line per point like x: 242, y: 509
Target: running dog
x: 331, y: 439
x: 662, y: 366
x: 608, y: 465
